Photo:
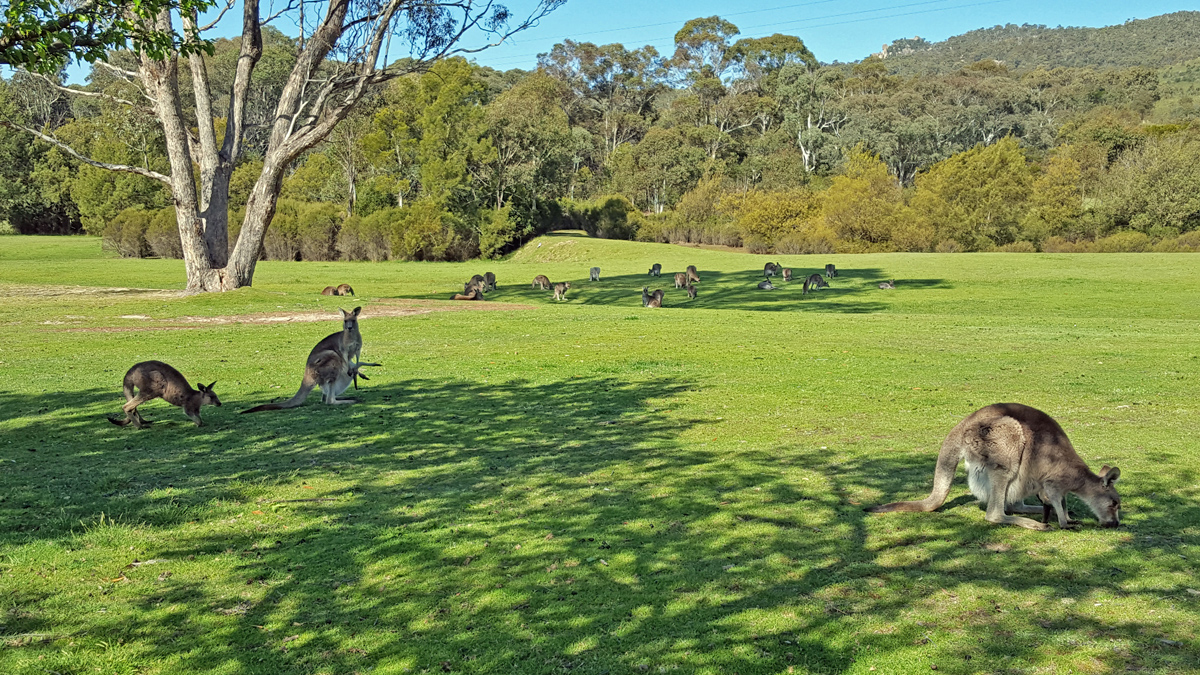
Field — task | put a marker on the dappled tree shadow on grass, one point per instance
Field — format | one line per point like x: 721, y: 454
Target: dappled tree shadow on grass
x: 542, y: 527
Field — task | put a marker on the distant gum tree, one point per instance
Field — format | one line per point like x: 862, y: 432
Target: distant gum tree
x: 342, y: 52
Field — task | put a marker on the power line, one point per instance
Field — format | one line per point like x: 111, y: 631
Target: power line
x: 524, y: 57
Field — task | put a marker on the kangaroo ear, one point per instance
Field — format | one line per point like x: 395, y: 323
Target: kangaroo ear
x: 200, y: 387
x: 214, y: 383
x: 356, y: 311
x: 344, y: 312
x: 1109, y: 476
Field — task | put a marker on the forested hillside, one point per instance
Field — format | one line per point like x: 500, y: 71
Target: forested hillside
x: 1149, y: 43
x: 1014, y: 138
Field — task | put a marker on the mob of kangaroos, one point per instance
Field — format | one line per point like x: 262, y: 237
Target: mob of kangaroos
x: 332, y: 365
x: 1013, y: 452
x: 155, y: 379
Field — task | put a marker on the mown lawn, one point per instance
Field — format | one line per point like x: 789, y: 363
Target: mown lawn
x: 591, y: 486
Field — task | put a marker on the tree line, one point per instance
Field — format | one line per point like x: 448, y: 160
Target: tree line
x: 742, y: 142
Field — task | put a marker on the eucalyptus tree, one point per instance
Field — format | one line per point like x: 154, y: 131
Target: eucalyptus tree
x: 344, y: 49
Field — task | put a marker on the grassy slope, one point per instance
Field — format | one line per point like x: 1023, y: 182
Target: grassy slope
x: 593, y: 486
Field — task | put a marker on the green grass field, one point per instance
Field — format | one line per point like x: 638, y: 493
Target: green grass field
x: 591, y: 486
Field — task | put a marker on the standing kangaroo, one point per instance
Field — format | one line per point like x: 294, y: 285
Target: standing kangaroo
x: 1014, y: 451
x: 814, y: 282
x: 595, y: 271
x: 691, y: 289
x: 541, y: 281
x: 831, y: 271
x: 681, y: 280
x: 489, y: 281
x: 655, y: 270
x: 560, y: 291
x: 154, y: 379
x: 692, y: 274
x: 770, y: 269
x: 344, y: 289
x: 332, y: 365
x: 787, y: 274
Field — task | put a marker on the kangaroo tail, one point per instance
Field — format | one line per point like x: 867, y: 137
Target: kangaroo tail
x: 943, y: 475
x: 120, y: 422
x: 293, y: 402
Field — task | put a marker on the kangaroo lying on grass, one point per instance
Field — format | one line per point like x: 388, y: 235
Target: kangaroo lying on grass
x: 766, y: 285
x: 332, y: 365
x: 155, y: 379
x: 473, y: 294
x: 343, y: 289
x: 1013, y: 452
x: 888, y: 285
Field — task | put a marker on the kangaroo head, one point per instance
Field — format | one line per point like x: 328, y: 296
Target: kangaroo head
x: 1102, y: 497
x: 350, y: 319
x: 207, y: 395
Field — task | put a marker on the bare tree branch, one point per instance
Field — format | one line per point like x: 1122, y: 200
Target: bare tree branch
x: 90, y: 94
x: 228, y: 6
x: 88, y: 160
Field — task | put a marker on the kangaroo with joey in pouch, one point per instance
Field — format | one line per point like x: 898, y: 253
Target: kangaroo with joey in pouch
x: 155, y: 379
x: 1012, y: 452
x: 332, y: 365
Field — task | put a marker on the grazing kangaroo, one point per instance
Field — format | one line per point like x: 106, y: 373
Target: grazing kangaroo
x: 888, y: 285
x: 831, y: 271
x: 787, y: 274
x: 691, y: 289
x: 770, y: 269
x: 541, y: 281
x: 560, y: 290
x: 692, y: 274
x: 654, y: 299
x: 155, y: 379
x: 332, y: 365
x: 655, y: 270
x: 681, y: 280
x: 1014, y: 451
x: 474, y: 294
x: 344, y: 289
x: 595, y: 274
x: 766, y: 285
x: 489, y: 281
x: 329, y: 290
x: 814, y: 282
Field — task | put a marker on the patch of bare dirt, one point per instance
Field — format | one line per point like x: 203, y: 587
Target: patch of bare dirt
x: 383, y: 308
x: 47, y: 291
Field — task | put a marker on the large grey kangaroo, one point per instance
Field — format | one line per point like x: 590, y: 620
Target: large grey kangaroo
x: 332, y: 365
x: 154, y: 379
x: 1014, y: 451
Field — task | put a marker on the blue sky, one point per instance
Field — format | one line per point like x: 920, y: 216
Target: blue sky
x: 842, y: 30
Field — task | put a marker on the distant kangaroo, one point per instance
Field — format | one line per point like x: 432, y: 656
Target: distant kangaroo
x: 655, y: 270
x: 770, y: 269
x: 344, y: 289
x: 653, y: 299
x: 1013, y: 452
x: 814, y: 282
x: 681, y: 280
x: 888, y: 285
x: 541, y: 281
x: 691, y: 289
x: 830, y: 271
x: 329, y: 290
x: 332, y: 365
x: 645, y: 297
x: 473, y: 285
x: 474, y: 294
x: 489, y: 281
x: 766, y: 285
x: 560, y: 290
x: 595, y: 271
x: 154, y: 379
x: 787, y: 274
x: 692, y: 274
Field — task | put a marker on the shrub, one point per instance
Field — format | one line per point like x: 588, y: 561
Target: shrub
x: 366, y: 238
x: 1018, y: 247
x: 316, y: 230
x: 496, y: 231
x: 426, y: 231
x: 126, y: 233
x: 1188, y: 242
x: 1123, y: 242
x: 162, y: 234
x: 282, y: 241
